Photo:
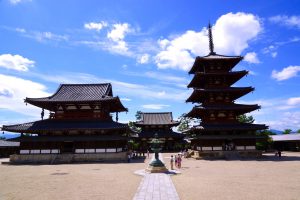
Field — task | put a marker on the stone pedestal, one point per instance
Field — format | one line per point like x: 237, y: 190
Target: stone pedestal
x: 156, y: 169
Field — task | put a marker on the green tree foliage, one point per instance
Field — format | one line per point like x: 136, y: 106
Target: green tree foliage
x: 245, y: 119
x: 298, y: 131
x: 131, y: 124
x: 2, y: 138
x: 184, y: 123
x: 264, y: 144
x: 287, y: 131
x: 138, y: 115
x: 133, y: 127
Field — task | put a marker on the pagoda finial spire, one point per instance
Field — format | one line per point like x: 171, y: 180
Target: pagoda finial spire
x: 211, y: 42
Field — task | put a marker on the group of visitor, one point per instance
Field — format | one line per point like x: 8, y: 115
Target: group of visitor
x: 177, y: 159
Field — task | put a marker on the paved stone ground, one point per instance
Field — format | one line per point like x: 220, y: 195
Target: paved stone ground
x: 156, y: 186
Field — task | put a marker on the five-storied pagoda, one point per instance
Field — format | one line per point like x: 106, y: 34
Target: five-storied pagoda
x: 219, y: 133
x: 80, y: 127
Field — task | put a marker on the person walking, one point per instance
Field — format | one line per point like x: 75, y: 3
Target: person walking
x: 171, y: 162
x: 176, y: 164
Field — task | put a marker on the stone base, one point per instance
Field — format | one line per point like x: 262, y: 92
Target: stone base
x: 227, y: 154
x: 67, y: 158
x: 156, y: 169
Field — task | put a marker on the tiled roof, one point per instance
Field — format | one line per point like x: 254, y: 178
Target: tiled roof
x: 228, y: 127
x: 198, y: 111
x: 63, y: 125
x: 228, y: 61
x: 234, y: 92
x: 286, y: 137
x: 4, y: 143
x: 200, y: 78
x: 159, y: 118
x: 78, y: 92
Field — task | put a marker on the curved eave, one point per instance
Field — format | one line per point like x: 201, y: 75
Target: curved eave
x: 52, y: 105
x: 64, y: 125
x: 200, y: 62
x: 228, y: 127
x: 197, y: 112
x: 200, y: 78
x: 199, y: 95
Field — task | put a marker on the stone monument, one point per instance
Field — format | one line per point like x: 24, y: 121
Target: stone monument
x: 156, y: 165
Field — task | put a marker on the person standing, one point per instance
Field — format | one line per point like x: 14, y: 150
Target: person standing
x: 172, y: 162
x: 179, y: 161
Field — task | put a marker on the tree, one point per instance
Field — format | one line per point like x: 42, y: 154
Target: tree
x: 131, y: 124
x: 287, y: 131
x: 264, y: 144
x: 138, y: 115
x: 184, y: 123
x: 2, y: 138
x: 298, y: 131
x: 245, y: 119
x: 133, y: 127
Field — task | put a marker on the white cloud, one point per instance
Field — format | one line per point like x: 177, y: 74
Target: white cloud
x: 290, y: 21
x: 118, y: 32
x: 232, y: 34
x: 15, y: 2
x: 44, y: 36
x: 116, y: 36
x: 286, y: 73
x: 125, y: 99
x: 287, y: 120
x: 14, y: 90
x: 15, y: 62
x: 155, y: 106
x: 95, y: 26
x: 251, y: 57
x: 293, y: 101
x: 143, y: 59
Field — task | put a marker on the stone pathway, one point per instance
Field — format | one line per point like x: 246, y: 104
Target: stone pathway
x: 156, y: 186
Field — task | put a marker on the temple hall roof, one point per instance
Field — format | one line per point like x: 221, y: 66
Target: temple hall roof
x: 159, y: 118
x: 63, y: 125
x: 228, y: 127
x: 286, y: 137
x: 79, y: 93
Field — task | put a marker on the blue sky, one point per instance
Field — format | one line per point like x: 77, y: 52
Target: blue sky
x: 145, y: 49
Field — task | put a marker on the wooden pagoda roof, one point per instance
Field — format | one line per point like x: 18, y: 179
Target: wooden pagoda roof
x: 199, y: 79
x: 63, y: 125
x: 157, y: 118
x: 227, y: 127
x: 92, y: 94
x: 198, y: 111
x: 199, y: 95
x: 213, y: 60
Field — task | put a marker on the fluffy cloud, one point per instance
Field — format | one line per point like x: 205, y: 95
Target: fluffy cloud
x: 291, y: 21
x: 155, y: 106
x: 286, y: 73
x: 251, y: 58
x: 117, y: 35
x: 95, y: 26
x: 143, y: 59
x: 15, y: 62
x: 13, y: 90
x: 293, y: 101
x: 232, y: 34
